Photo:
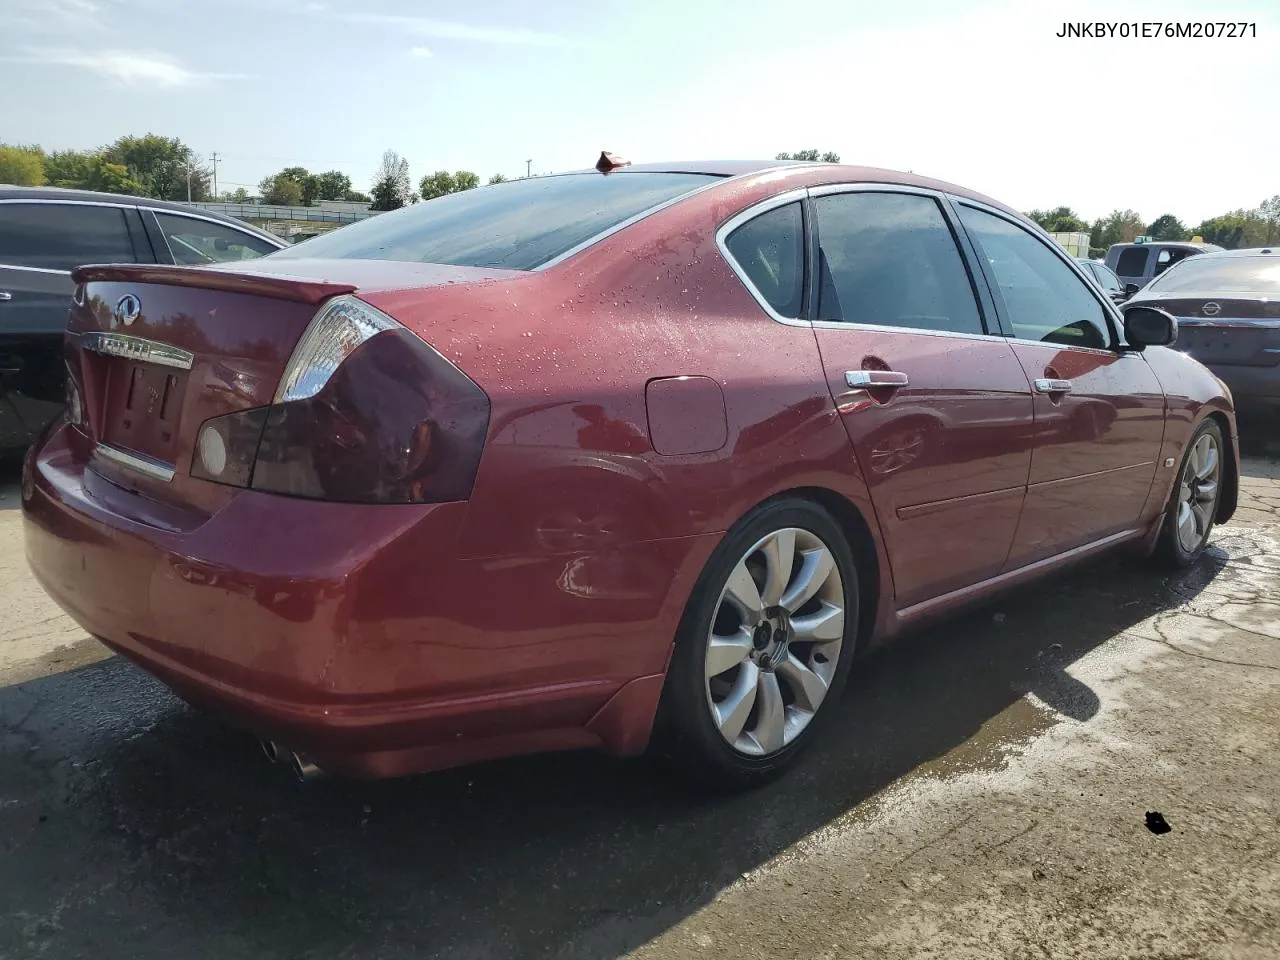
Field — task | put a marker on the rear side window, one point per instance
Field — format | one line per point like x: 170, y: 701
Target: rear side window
x: 1168, y: 258
x: 1132, y: 262
x: 1045, y: 299
x: 195, y: 241
x: 889, y: 259
x: 770, y: 251
x: 63, y: 236
x: 515, y: 226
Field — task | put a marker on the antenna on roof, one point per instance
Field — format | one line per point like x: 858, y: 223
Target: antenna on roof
x: 609, y: 161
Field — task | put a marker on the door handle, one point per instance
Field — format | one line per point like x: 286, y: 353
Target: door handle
x: 5, y: 295
x: 875, y: 378
x: 1049, y: 385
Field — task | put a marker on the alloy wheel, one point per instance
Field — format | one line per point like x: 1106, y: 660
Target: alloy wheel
x: 775, y: 641
x: 1198, y: 493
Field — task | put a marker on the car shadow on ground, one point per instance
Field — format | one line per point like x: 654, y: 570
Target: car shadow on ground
x: 178, y: 824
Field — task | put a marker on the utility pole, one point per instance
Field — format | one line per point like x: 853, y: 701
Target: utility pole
x: 528, y: 169
x: 188, y: 178
x: 213, y: 157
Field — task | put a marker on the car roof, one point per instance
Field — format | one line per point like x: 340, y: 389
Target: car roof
x: 92, y: 196
x: 1247, y: 252
x: 812, y: 173
x: 1208, y: 247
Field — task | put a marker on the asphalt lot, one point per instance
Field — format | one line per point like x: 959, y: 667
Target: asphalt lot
x: 984, y: 796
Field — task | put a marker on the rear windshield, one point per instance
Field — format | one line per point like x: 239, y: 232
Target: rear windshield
x: 1260, y: 274
x: 517, y: 225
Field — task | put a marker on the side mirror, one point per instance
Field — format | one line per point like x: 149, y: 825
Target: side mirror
x: 1149, y: 327
x: 1130, y: 289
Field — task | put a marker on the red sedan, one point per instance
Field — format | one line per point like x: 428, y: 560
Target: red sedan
x: 633, y: 455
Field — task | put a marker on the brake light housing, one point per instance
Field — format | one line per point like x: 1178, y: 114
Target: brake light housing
x: 365, y: 412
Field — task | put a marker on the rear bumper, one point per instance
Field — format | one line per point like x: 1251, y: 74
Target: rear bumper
x: 352, y: 633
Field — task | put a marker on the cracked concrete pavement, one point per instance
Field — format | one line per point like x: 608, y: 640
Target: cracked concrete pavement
x: 982, y: 795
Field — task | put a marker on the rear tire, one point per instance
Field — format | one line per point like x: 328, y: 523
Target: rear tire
x: 1193, y: 503
x: 763, y: 649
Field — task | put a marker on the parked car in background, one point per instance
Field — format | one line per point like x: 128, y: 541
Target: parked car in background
x: 1228, y: 310
x: 44, y: 234
x: 603, y: 459
x: 1107, y: 280
x: 1137, y: 264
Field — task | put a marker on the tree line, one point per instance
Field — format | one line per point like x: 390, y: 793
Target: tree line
x: 165, y: 168
x: 1258, y: 227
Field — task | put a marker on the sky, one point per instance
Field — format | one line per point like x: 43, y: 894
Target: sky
x: 982, y: 94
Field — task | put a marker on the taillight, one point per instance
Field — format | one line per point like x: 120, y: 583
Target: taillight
x: 74, y: 401
x: 365, y: 412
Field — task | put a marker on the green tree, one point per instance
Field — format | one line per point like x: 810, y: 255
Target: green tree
x: 238, y: 195
x: 1167, y: 227
x: 443, y: 182
x: 1119, y: 226
x: 308, y: 184
x: 497, y: 178
x: 1059, y: 220
x: 332, y: 185
x: 1269, y: 210
x: 1239, y: 228
x: 21, y: 166
x: 281, y: 189
x: 810, y: 155
x: 164, y: 167
x: 89, y: 170
x: 392, y: 188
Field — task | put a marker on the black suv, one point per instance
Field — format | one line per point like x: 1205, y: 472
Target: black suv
x: 45, y: 233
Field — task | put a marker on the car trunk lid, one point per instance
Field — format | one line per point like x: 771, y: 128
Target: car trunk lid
x: 1230, y: 331
x: 156, y: 351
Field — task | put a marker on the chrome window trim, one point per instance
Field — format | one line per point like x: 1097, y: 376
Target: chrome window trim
x: 1109, y: 309
x: 15, y: 266
x: 137, y: 348
x: 591, y: 241
x: 134, y: 461
x: 1237, y: 323
x: 889, y: 328
x: 243, y: 227
x: 745, y: 216
x: 872, y: 186
x: 1099, y: 351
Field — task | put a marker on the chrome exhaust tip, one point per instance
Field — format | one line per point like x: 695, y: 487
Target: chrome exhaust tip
x: 303, y: 768
x: 272, y: 751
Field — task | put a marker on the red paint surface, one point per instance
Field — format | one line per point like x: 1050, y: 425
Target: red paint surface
x: 540, y: 613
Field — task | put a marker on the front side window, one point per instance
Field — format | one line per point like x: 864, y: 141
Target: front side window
x: 517, y: 225
x: 194, y: 242
x: 770, y: 251
x: 1132, y: 262
x: 1168, y: 258
x: 63, y: 236
x: 1044, y: 298
x: 890, y: 259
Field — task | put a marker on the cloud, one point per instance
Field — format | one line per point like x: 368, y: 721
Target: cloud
x: 127, y: 67
x: 421, y: 52
x: 449, y: 30
x: 51, y: 14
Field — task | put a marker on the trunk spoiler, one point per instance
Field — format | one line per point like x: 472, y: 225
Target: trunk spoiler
x: 297, y: 289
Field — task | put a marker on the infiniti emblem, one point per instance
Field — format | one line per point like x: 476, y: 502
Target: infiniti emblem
x: 1211, y: 309
x: 128, y: 309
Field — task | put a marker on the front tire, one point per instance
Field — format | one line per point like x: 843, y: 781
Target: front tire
x: 764, y: 646
x: 1189, y: 516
